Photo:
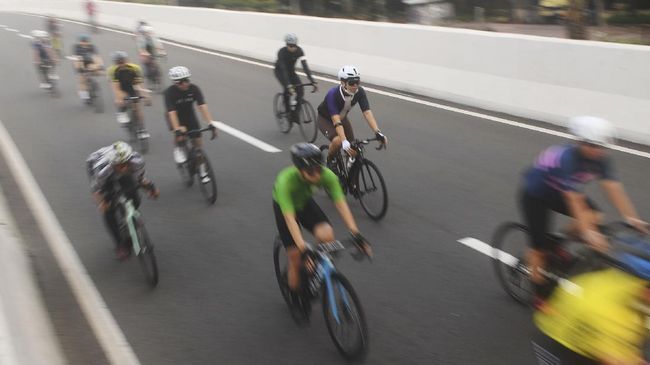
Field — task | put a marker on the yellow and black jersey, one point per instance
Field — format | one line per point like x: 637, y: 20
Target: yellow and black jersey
x: 127, y: 75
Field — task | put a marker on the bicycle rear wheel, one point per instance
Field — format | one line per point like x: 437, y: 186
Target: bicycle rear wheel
x: 281, y: 114
x: 370, y: 189
x: 146, y: 255
x: 510, y: 245
x: 208, y: 189
x: 345, y: 320
x: 308, y: 122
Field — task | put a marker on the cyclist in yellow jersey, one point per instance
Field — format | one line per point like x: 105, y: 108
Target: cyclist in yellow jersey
x: 126, y: 81
x: 599, y: 320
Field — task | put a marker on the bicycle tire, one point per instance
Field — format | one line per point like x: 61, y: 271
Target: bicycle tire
x: 364, y: 185
x: 351, y: 312
x: 96, y: 97
x: 280, y: 115
x: 308, y: 121
x: 280, y: 273
x: 146, y: 255
x: 209, y: 193
x: 186, y: 175
x: 511, y: 270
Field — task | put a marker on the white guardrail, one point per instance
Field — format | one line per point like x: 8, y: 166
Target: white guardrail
x: 541, y: 78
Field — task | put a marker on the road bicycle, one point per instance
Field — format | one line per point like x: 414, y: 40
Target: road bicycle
x: 196, y: 158
x: 138, y: 135
x: 301, y: 113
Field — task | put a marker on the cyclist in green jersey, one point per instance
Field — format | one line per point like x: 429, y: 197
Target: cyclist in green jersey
x: 294, y: 206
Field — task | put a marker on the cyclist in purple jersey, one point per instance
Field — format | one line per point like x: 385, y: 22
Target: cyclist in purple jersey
x: 333, y: 112
x: 556, y: 182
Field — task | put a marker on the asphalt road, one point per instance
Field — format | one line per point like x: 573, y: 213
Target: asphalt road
x: 427, y: 298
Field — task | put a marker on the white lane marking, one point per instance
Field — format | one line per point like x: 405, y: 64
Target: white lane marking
x: 110, y: 336
x: 2, y: 26
x: 245, y: 137
x: 489, y: 251
x: 71, y: 58
x: 25, y: 36
x: 12, y: 30
x: 7, y: 349
x: 512, y: 123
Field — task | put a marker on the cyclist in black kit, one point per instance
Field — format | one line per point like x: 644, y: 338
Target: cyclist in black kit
x: 285, y: 70
x: 179, y: 101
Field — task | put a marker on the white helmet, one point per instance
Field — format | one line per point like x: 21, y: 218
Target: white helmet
x: 291, y: 38
x: 122, y: 152
x: 592, y: 130
x: 349, y: 72
x: 146, y: 29
x: 40, y: 34
x: 179, y: 72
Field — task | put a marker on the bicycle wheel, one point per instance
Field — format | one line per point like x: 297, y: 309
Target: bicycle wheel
x: 370, y: 188
x: 280, y: 264
x: 208, y: 189
x: 510, y: 245
x: 186, y: 175
x: 146, y: 255
x: 308, y: 122
x: 96, y: 97
x: 346, y: 323
x: 281, y: 114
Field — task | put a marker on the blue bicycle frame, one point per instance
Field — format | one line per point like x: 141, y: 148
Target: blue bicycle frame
x: 325, y: 269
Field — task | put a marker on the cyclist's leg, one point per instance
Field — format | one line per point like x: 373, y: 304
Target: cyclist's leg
x: 536, y: 217
x: 596, y: 218
x: 293, y: 254
x: 109, y: 218
x: 285, y: 94
x: 300, y: 91
x: 137, y: 107
x: 130, y: 188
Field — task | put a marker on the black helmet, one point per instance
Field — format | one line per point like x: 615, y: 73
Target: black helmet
x: 306, y: 155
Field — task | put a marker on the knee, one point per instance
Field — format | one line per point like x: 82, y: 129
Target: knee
x: 324, y: 232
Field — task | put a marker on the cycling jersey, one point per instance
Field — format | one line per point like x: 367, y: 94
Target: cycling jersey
x: 43, y: 51
x: 85, y: 52
x: 563, y: 168
x: 285, y: 66
x: 597, y: 319
x: 339, y: 102
x: 292, y: 193
x: 183, y: 103
x: 148, y: 43
x: 103, y: 174
x: 53, y: 27
x: 127, y: 75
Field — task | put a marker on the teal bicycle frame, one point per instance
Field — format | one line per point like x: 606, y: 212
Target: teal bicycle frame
x: 130, y: 215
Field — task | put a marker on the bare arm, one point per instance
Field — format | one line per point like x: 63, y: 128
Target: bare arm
x: 340, y: 131
x: 205, y: 112
x: 578, y: 209
x: 370, y: 119
x: 346, y: 215
x: 294, y: 229
x: 117, y: 92
x: 619, y: 198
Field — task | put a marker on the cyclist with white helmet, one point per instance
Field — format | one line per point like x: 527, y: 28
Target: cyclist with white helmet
x: 555, y: 183
x: 44, y: 56
x: 149, y: 47
x: 179, y: 102
x: 294, y: 207
x: 117, y: 164
x: 333, y: 119
x: 285, y: 70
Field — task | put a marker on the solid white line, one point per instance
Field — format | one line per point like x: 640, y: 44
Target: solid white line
x: 489, y: 251
x: 398, y: 96
x: 11, y: 30
x: 26, y: 36
x: 245, y: 137
x: 110, y: 336
x: 7, y: 352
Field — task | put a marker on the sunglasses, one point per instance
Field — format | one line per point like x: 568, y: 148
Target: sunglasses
x: 182, y: 81
x: 354, y: 82
x: 292, y: 45
x: 311, y: 170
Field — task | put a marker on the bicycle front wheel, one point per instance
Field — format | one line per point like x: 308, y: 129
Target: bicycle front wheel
x: 510, y: 245
x: 280, y: 264
x: 96, y: 96
x: 281, y: 114
x: 370, y: 189
x: 146, y: 255
x: 344, y: 316
x: 207, y: 185
x: 308, y: 122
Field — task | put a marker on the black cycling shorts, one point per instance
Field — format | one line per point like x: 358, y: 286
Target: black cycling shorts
x: 536, y: 214
x: 308, y: 217
x: 550, y: 352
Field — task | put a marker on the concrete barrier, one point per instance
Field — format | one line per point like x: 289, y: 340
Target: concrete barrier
x: 541, y: 78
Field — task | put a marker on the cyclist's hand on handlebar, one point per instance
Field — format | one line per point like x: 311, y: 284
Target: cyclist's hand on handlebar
x: 346, y: 146
x: 639, y: 225
x: 381, y: 137
x: 597, y: 241
x: 291, y: 89
x: 119, y: 103
x: 179, y: 132
x: 314, y: 87
x: 362, y: 244
x: 213, y: 129
x: 154, y: 193
x: 104, y: 205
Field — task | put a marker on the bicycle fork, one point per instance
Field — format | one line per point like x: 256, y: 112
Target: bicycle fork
x: 131, y: 215
x: 327, y: 270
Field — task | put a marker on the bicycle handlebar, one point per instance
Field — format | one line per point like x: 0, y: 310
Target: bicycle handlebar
x: 334, y: 247
x: 196, y: 132
x: 358, y: 143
